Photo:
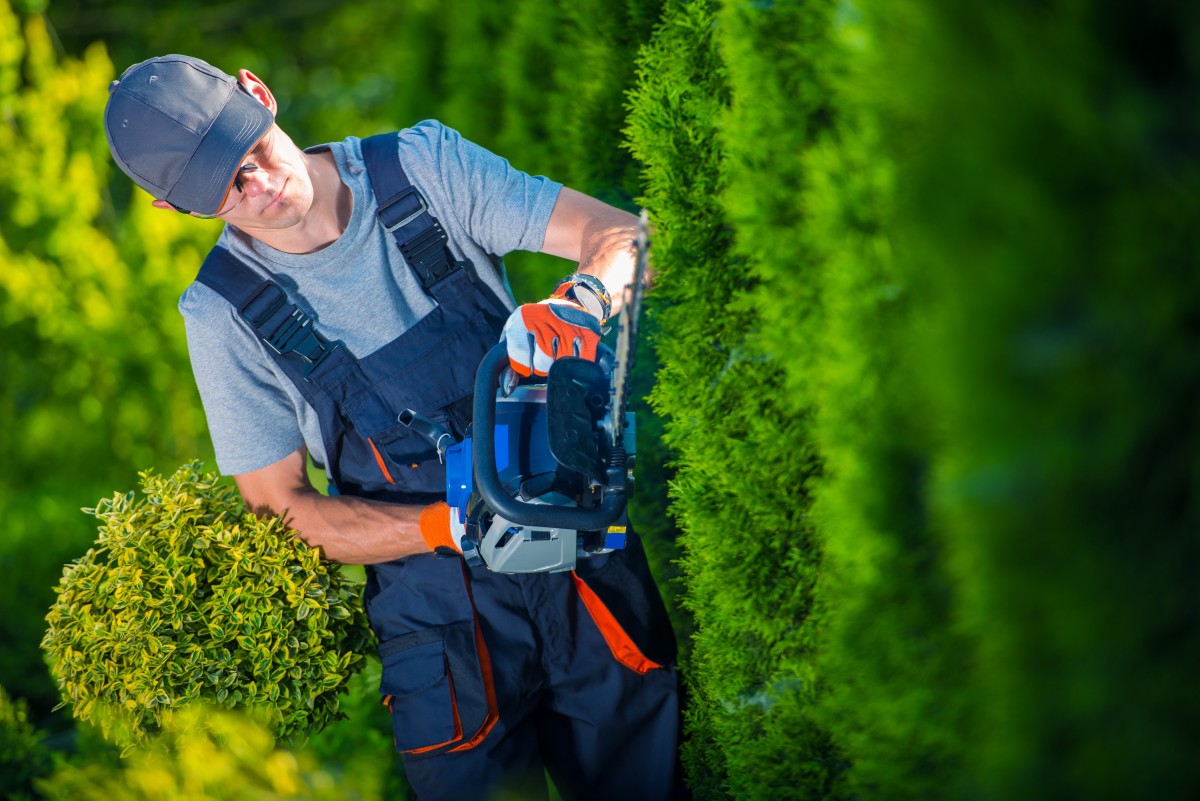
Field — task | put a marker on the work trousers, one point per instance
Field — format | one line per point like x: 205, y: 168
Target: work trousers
x: 557, y: 698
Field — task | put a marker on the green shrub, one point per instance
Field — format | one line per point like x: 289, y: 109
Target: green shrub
x: 23, y: 758
x: 361, y: 742
x: 72, y: 277
x: 214, y: 755
x: 892, y: 662
x: 186, y: 597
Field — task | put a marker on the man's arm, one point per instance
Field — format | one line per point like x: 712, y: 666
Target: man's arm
x: 598, y: 236
x: 349, y: 530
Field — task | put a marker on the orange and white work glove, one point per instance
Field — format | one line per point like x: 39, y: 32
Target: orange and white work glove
x: 439, y: 526
x: 539, y: 333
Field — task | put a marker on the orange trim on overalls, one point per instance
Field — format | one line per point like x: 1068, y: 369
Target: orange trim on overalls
x: 379, y: 459
x: 485, y: 667
x: 622, y: 647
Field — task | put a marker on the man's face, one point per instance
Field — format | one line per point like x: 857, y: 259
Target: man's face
x: 272, y: 189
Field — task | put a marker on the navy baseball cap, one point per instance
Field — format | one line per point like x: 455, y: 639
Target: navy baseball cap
x: 180, y: 128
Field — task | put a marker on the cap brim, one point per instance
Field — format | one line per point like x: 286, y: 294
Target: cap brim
x: 235, y: 132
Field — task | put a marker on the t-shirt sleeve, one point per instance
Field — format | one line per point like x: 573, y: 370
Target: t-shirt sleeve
x: 251, y: 419
x: 500, y: 207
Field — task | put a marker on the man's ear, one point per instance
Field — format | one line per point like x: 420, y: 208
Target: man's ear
x: 162, y: 204
x: 258, y: 90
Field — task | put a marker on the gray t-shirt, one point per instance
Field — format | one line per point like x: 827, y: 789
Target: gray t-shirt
x: 359, y: 289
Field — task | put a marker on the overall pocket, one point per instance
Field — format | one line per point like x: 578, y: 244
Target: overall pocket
x: 437, y: 682
x: 419, y: 691
x: 436, y: 382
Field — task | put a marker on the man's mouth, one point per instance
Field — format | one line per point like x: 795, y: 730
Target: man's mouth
x: 278, y: 197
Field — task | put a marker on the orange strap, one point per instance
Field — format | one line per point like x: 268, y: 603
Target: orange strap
x: 623, y: 649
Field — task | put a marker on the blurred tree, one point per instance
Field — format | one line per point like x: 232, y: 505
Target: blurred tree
x: 96, y: 382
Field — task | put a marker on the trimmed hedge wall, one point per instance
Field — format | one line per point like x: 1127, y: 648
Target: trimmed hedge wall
x: 741, y: 493
x: 1050, y: 244
x: 927, y: 277
x: 892, y: 658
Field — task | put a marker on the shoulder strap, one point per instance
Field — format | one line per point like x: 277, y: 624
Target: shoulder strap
x: 286, y: 328
x: 404, y: 213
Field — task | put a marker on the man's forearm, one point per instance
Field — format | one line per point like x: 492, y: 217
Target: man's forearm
x: 356, y: 531
x: 349, y: 530
x: 597, y: 236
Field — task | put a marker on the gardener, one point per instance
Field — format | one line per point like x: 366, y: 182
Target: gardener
x: 337, y: 295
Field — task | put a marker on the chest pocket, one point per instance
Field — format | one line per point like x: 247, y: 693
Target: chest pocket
x: 431, y: 370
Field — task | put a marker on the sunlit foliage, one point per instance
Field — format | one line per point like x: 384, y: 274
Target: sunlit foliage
x: 95, y: 382
x: 203, y: 752
x: 23, y: 756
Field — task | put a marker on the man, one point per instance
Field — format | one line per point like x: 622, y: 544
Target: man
x: 338, y: 296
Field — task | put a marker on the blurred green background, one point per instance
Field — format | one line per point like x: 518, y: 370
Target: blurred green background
x: 919, y: 457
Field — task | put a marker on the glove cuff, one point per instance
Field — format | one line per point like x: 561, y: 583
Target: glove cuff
x: 435, y: 526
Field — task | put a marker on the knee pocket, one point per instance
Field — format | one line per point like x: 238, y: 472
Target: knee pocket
x: 438, y: 685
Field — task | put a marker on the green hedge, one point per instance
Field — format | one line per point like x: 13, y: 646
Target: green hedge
x: 946, y: 252
x: 741, y: 491
x: 891, y: 658
x: 24, y: 758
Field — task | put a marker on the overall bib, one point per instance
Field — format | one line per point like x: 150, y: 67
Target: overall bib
x: 488, y: 676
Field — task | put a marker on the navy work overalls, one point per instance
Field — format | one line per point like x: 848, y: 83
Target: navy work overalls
x: 488, y: 676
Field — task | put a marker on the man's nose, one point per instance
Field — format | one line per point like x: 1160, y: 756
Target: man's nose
x: 253, y: 179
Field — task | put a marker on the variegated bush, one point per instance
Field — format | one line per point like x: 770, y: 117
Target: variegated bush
x: 187, y: 597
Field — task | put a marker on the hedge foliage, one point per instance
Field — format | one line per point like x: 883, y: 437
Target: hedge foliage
x: 186, y: 597
x: 215, y: 755
x: 700, y: 124
x: 1050, y: 248
x: 894, y: 661
x: 24, y: 757
x: 941, y: 248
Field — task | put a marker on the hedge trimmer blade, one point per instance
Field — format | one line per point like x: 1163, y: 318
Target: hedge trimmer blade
x: 627, y: 333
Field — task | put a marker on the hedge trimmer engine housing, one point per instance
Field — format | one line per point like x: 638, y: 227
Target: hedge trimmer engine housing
x: 556, y: 492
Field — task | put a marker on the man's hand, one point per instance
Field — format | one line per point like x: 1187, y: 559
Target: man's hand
x: 539, y: 333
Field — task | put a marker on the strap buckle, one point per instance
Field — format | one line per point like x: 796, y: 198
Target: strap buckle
x: 262, y: 305
x: 296, y: 333
x: 385, y: 211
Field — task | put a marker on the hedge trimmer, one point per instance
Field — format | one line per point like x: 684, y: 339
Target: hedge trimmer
x: 542, y: 478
